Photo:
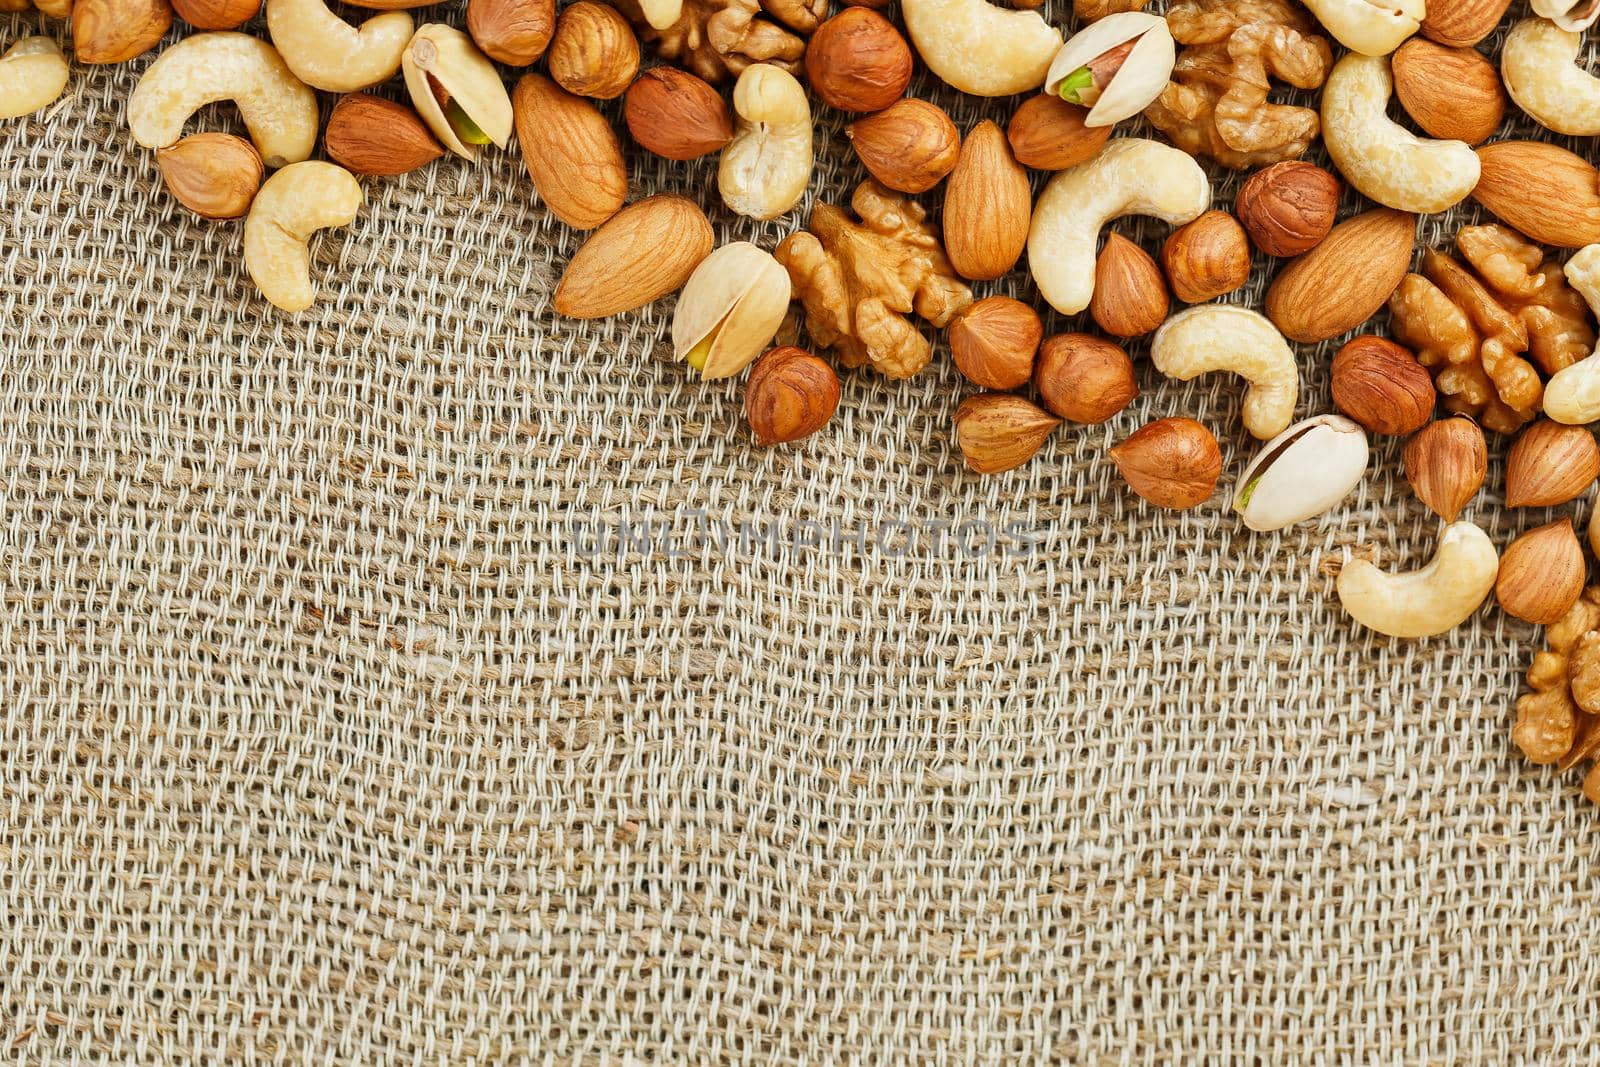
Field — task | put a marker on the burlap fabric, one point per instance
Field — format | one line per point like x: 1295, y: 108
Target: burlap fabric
x: 337, y: 726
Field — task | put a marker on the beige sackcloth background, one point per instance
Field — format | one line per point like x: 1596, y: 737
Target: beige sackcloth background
x: 322, y: 741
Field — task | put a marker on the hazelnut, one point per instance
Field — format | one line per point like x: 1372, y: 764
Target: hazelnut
x: 1382, y: 386
x: 115, y: 31
x: 1550, y: 464
x: 593, y: 52
x: 993, y: 342
x: 216, y: 14
x: 1542, y: 573
x: 1445, y: 462
x: 857, y: 61
x: 513, y: 32
x: 1084, y: 378
x: 1289, y: 207
x: 1208, y: 258
x: 370, y: 135
x: 1172, y: 463
x: 909, y: 146
x: 1047, y: 133
x: 791, y: 394
x: 215, y: 175
x: 999, y: 431
x: 676, y: 115
x: 1130, y: 297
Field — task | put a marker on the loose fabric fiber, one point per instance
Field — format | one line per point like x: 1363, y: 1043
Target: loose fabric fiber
x: 348, y: 716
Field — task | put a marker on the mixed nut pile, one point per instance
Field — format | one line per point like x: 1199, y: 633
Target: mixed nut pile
x: 1494, y: 327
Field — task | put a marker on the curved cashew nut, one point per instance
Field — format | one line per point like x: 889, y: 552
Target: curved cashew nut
x: 279, y: 109
x: 766, y: 167
x: 1539, y: 65
x: 1370, y: 27
x: 1438, y: 597
x: 1130, y: 176
x: 980, y: 48
x: 326, y: 52
x: 33, y: 72
x: 293, y: 204
x: 1381, y: 158
x: 1572, y: 396
x: 1224, y: 337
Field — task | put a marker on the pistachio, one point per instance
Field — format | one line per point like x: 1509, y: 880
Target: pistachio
x: 1116, y: 67
x: 456, y: 90
x: 729, y: 309
x: 1302, y: 472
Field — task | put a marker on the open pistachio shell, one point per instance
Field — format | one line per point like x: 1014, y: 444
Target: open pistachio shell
x: 1574, y: 17
x: 442, y: 62
x: 1302, y: 472
x: 729, y: 309
x: 1142, y: 75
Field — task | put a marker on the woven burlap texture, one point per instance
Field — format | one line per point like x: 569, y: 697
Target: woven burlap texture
x: 330, y: 735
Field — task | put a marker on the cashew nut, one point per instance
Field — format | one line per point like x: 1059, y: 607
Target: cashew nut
x: 1572, y: 396
x: 1130, y: 176
x: 1428, y: 601
x: 766, y: 167
x: 33, y: 72
x: 980, y: 48
x: 1539, y: 65
x: 294, y: 203
x: 661, y: 14
x: 1224, y: 337
x: 326, y: 52
x: 1370, y: 27
x: 1381, y: 158
x: 279, y: 110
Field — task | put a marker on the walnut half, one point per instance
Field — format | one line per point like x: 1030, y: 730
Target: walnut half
x: 1559, y: 721
x: 718, y: 39
x: 860, y: 281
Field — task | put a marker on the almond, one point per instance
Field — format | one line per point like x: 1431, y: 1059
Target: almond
x: 676, y: 115
x: 1047, y: 133
x: 571, y: 152
x: 1542, y: 573
x: 1550, y: 464
x: 1130, y: 296
x: 370, y: 135
x: 1452, y: 93
x: 642, y: 253
x: 1462, y: 23
x: 1342, y: 282
x: 987, y: 206
x: 1546, y: 192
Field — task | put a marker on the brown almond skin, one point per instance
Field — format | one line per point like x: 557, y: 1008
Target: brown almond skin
x: 1342, y: 282
x: 993, y: 342
x: 513, y: 32
x: 571, y: 153
x: 216, y: 14
x: 1172, y: 463
x: 1001, y: 431
x: 215, y: 175
x: 1542, y: 573
x: 1546, y: 192
x: 1550, y: 464
x: 857, y: 61
x: 677, y: 115
x: 642, y: 253
x: 1130, y: 296
x: 115, y: 31
x: 1289, y: 207
x: 987, y: 206
x: 593, y: 52
x: 1445, y: 463
x: 1047, y: 133
x: 1462, y: 23
x: 370, y: 135
x: 1382, y: 386
x: 1084, y: 378
x: 1207, y: 258
x: 1454, y: 94
x: 790, y: 394
x: 910, y: 146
